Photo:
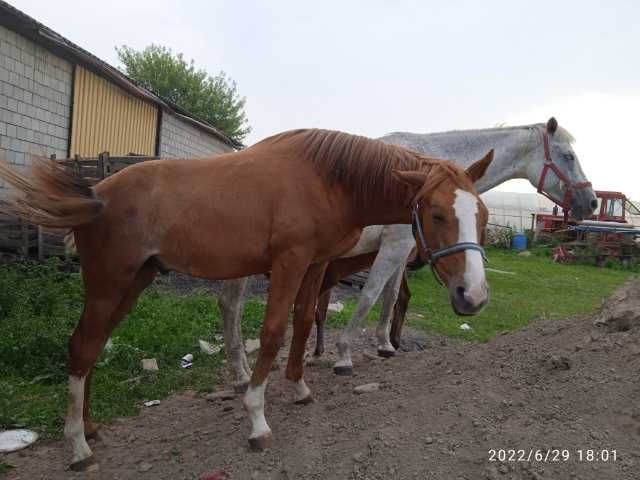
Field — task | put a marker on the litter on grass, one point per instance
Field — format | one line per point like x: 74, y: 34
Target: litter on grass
x: 12, y: 440
x: 186, y: 361
x: 209, y: 349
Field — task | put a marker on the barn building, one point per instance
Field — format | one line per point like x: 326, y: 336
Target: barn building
x: 57, y: 98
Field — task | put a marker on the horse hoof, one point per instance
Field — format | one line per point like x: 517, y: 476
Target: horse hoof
x: 92, y: 433
x: 240, y: 387
x: 343, y: 371
x: 386, y: 353
x: 304, y: 401
x: 258, y: 444
x: 89, y: 464
x: 93, y: 436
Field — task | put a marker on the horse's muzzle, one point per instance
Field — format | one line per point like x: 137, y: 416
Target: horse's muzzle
x: 583, y: 204
x: 468, y: 301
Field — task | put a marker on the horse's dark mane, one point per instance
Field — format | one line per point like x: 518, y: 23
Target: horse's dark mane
x: 364, y: 165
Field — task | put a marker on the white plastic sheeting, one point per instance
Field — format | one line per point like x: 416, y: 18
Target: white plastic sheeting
x: 515, y: 209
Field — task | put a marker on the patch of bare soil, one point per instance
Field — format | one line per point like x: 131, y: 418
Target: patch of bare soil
x: 570, y: 385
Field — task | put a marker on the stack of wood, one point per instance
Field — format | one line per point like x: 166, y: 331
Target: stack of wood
x: 17, y: 236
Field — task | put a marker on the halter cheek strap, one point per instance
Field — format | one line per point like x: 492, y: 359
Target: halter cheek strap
x: 571, y: 187
x: 434, y: 255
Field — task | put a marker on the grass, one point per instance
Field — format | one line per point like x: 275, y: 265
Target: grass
x: 534, y: 288
x: 39, y: 306
x: 538, y: 288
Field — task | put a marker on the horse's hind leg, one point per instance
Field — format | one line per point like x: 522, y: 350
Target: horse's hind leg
x: 231, y: 304
x: 302, y: 322
x: 143, y: 279
x: 287, y: 272
x: 85, y: 346
x: 102, y: 311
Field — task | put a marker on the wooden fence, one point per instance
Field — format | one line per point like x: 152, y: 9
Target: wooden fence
x: 19, y: 237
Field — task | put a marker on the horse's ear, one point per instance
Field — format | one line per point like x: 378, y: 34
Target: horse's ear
x: 478, y: 169
x: 552, y: 126
x: 414, y: 178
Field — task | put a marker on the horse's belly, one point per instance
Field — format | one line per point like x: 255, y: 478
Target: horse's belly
x: 209, y: 252
x: 209, y: 264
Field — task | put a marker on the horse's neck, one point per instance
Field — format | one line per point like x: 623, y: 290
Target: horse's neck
x: 514, y: 150
x: 383, y: 213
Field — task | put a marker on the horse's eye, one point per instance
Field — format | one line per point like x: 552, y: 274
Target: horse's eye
x: 437, y: 218
x: 568, y: 157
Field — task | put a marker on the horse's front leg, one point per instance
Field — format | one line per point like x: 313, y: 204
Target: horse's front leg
x: 389, y: 296
x: 400, y: 311
x: 321, y: 318
x: 287, y: 272
x: 401, y: 249
x: 393, y: 254
x: 231, y: 304
x: 303, y: 316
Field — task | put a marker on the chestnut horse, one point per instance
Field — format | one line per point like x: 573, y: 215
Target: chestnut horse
x: 287, y: 205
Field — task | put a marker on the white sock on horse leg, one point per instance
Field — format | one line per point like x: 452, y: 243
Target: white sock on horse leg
x: 254, y: 403
x: 301, y: 391
x: 74, y: 426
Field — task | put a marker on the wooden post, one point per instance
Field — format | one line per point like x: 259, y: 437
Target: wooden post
x: 40, y: 244
x: 100, y: 167
x: 106, y: 165
x: 76, y: 164
x: 24, y: 230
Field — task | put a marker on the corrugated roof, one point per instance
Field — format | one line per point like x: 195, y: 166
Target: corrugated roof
x: 29, y: 27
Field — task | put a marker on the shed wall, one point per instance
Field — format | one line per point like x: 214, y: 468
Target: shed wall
x: 35, y: 100
x: 182, y: 140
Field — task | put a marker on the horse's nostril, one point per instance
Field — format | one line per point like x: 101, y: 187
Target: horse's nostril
x: 594, y: 204
x: 460, y: 292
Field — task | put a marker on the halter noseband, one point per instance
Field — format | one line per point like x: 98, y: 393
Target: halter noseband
x: 434, y: 255
x: 565, y: 202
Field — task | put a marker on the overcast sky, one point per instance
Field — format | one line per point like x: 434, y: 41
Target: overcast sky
x: 372, y: 67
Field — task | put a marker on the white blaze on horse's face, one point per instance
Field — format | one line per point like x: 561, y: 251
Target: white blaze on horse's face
x: 470, y: 294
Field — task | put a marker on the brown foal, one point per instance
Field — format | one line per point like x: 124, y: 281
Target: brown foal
x: 288, y: 205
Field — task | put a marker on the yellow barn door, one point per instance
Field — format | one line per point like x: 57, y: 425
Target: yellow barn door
x: 107, y: 118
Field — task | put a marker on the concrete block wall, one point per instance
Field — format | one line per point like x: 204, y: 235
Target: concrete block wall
x: 35, y: 100
x: 180, y: 139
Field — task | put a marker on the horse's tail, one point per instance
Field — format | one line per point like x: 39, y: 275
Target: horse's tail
x: 54, y: 196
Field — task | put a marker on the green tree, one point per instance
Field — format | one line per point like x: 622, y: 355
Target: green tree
x: 214, y: 99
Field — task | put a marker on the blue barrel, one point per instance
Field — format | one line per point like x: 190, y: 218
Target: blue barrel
x: 519, y: 241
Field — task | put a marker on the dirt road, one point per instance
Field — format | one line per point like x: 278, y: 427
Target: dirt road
x: 565, y: 385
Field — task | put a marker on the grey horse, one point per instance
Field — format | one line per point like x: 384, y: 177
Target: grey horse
x: 519, y: 153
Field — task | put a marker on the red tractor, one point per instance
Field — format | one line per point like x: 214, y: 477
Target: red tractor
x: 606, y: 235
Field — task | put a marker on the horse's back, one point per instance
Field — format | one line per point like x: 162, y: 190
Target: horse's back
x: 197, y: 215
